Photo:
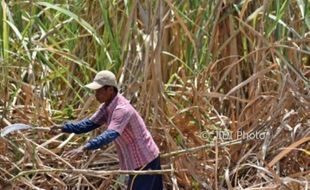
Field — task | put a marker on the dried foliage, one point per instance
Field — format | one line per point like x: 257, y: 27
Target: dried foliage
x: 222, y: 85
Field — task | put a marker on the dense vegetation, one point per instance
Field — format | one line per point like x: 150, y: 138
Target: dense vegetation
x: 190, y: 68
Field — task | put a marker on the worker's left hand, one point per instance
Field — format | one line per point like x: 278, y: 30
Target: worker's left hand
x: 75, y: 152
x: 55, y: 130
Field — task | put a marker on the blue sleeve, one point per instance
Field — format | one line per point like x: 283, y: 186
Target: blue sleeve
x: 83, y: 126
x: 101, y: 140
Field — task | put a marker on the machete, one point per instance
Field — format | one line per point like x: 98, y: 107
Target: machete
x: 19, y: 126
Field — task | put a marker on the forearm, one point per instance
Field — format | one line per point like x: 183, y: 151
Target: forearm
x: 83, y: 126
x: 105, y: 138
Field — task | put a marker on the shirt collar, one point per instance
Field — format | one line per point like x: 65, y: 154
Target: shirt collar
x: 113, y: 103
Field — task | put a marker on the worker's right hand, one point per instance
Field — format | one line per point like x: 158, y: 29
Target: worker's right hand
x: 56, y: 129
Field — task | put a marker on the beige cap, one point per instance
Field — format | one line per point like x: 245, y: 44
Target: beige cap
x: 103, y: 78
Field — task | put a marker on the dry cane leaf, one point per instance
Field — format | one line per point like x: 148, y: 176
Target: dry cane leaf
x: 288, y: 150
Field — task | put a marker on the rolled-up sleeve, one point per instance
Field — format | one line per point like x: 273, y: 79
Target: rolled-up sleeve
x: 120, y: 118
x: 100, y: 116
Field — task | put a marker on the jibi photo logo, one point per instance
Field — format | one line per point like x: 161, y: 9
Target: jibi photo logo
x: 228, y: 135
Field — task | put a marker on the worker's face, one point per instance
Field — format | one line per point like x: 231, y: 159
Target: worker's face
x: 104, y: 94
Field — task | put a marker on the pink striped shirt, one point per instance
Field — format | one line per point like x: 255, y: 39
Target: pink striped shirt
x: 135, y: 145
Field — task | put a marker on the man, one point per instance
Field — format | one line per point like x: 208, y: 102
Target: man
x: 135, y: 146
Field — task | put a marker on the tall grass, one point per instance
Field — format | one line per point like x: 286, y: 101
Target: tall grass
x: 5, y: 55
x: 189, y: 67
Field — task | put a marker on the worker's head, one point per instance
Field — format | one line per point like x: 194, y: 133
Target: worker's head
x: 105, y: 93
x: 105, y: 85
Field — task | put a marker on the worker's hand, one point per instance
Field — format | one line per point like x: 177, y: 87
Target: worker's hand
x: 56, y: 129
x: 75, y: 152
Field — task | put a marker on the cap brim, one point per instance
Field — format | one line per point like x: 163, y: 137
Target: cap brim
x: 93, y: 85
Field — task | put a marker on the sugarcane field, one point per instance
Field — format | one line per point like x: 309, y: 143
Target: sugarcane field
x: 155, y: 95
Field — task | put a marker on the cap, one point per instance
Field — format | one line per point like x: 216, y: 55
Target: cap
x: 103, y: 78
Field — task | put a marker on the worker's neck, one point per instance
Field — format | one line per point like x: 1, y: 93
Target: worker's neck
x: 111, y: 99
